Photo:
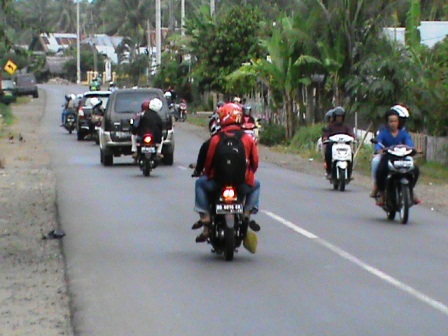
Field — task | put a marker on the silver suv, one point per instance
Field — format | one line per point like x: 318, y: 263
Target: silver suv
x: 115, y: 135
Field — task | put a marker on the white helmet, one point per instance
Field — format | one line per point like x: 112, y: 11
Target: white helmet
x: 167, y: 94
x: 155, y: 104
x: 402, y: 111
x: 94, y: 101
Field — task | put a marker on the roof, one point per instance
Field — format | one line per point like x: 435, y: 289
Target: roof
x: 97, y: 93
x: 431, y: 32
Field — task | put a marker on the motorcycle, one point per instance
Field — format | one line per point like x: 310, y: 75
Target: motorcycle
x: 251, y: 129
x: 179, y: 111
x: 148, y: 156
x: 341, y: 160
x: 227, y: 230
x: 399, y: 183
x: 70, y: 121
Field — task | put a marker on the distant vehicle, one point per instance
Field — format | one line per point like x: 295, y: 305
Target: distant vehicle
x: 86, y: 121
x: 26, y: 85
x: 9, y: 92
x: 115, y: 134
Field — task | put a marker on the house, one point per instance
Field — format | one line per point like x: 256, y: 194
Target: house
x: 431, y: 32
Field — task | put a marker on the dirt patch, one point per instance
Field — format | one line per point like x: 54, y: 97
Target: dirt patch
x: 33, y: 291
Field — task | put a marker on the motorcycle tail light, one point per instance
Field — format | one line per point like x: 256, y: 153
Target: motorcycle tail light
x: 229, y: 194
x: 147, y: 139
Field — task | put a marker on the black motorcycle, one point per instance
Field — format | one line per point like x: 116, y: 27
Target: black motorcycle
x: 70, y: 121
x: 400, y: 182
x: 147, y: 155
x: 228, y: 229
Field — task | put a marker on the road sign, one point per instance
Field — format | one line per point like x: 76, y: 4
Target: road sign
x: 10, y: 67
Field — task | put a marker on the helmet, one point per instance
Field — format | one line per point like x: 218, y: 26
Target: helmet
x: 145, y: 105
x: 219, y: 104
x: 247, y: 109
x: 402, y: 111
x: 155, y: 104
x: 167, y: 95
x: 329, y: 115
x: 214, y: 126
x: 230, y: 114
x: 94, y: 101
x: 391, y: 112
x: 111, y: 84
x: 236, y: 99
x: 339, y: 112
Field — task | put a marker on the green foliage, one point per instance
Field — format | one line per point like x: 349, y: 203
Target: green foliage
x: 306, y: 137
x: 87, y: 64
x: 273, y: 134
x: 221, y: 46
x: 7, y: 116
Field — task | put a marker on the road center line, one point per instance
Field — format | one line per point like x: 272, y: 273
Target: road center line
x: 370, y: 269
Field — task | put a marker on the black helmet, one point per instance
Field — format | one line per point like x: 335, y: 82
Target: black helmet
x: 339, y: 112
x: 220, y: 103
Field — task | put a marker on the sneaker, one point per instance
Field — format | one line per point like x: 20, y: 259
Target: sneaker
x: 203, y: 236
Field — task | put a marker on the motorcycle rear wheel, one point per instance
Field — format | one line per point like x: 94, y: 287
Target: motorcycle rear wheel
x: 146, y: 168
x: 229, y: 237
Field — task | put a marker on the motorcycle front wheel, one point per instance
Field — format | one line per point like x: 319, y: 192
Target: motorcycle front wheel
x: 342, y: 179
x: 404, y: 203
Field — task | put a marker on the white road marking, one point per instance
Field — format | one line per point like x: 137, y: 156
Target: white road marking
x: 182, y: 167
x: 437, y: 305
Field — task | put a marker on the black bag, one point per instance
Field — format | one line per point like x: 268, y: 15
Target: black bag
x: 230, y: 159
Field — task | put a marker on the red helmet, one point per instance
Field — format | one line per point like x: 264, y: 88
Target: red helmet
x: 145, y: 105
x: 229, y: 114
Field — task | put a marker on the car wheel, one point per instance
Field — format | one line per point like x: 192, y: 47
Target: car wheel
x: 168, y: 159
x: 36, y: 94
x: 108, y: 159
x: 79, y: 135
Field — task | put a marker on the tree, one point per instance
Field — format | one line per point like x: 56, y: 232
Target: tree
x: 221, y: 46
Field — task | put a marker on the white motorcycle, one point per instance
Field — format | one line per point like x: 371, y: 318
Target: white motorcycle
x: 341, y: 160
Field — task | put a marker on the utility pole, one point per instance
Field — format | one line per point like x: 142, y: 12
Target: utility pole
x: 158, y: 35
x: 78, y: 44
x: 182, y: 17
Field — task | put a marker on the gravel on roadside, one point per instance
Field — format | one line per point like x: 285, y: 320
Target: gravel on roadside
x: 33, y: 290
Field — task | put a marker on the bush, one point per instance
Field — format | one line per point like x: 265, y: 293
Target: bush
x: 273, y: 134
x: 306, y: 137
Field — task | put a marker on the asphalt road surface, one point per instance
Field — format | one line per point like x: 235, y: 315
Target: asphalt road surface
x: 328, y: 263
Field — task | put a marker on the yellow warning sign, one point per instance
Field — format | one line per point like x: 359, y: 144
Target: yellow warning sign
x: 10, y: 67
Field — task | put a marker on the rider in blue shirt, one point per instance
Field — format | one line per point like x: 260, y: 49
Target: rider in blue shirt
x: 390, y: 135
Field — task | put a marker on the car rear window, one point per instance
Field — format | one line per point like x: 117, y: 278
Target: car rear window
x: 131, y: 102
x: 25, y: 80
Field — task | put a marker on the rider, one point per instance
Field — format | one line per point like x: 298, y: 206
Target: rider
x: 214, y: 127
x: 112, y: 86
x: 150, y: 121
x: 69, y: 107
x: 336, y: 127
x: 230, y: 116
x: 247, y: 117
x: 390, y: 135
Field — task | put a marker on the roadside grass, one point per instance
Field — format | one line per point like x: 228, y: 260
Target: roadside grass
x: 198, y: 120
x: 304, y: 144
x: 7, y: 118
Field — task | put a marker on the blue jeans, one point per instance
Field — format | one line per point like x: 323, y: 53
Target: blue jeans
x: 205, y: 188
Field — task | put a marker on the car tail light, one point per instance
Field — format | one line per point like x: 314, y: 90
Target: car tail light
x: 81, y: 113
x: 229, y: 194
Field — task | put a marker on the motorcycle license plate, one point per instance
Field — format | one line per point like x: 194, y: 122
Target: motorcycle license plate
x: 148, y: 150
x: 228, y: 208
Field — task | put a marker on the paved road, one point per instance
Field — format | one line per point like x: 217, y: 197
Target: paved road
x: 328, y: 262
